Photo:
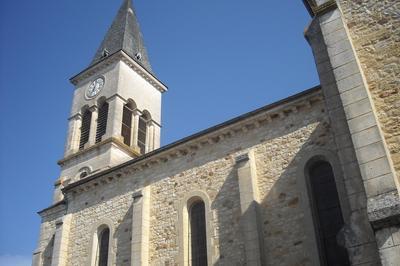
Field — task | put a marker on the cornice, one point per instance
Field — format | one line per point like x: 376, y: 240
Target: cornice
x: 59, y: 206
x: 317, y: 10
x: 131, y: 151
x: 242, y: 124
x: 114, y: 58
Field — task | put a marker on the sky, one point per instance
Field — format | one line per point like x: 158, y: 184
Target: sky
x: 219, y: 58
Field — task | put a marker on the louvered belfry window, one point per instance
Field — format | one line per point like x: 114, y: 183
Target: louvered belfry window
x: 103, y: 247
x: 126, y: 125
x: 85, y: 128
x: 198, y: 236
x: 142, y: 134
x: 327, y: 214
x: 102, y: 122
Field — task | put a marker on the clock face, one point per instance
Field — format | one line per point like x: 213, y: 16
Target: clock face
x: 95, y: 87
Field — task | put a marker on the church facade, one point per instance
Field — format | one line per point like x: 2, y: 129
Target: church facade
x: 310, y: 180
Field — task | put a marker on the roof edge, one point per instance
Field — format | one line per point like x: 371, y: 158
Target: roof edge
x: 195, y: 136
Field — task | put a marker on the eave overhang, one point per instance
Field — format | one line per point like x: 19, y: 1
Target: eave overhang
x: 215, y: 133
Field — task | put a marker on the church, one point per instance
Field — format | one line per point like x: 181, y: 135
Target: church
x: 312, y: 179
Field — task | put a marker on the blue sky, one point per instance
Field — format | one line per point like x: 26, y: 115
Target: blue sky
x: 219, y: 59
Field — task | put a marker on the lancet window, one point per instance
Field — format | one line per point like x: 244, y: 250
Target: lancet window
x: 197, y: 234
x: 328, y: 217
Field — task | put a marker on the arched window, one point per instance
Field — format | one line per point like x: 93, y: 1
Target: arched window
x: 142, y: 132
x: 198, y: 234
x: 103, y: 246
x: 85, y: 128
x: 126, y: 131
x: 102, y: 122
x: 327, y: 213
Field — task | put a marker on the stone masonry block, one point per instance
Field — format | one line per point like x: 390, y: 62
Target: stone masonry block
x: 375, y: 168
x: 366, y: 137
x: 396, y: 234
x: 354, y: 95
x: 321, y: 55
x: 390, y: 256
x: 333, y: 102
x: 342, y: 58
x: 358, y: 108
x: 364, y: 254
x: 336, y: 37
x: 324, y: 67
x: 338, y: 47
x: 380, y: 185
x: 332, y: 26
x: 344, y: 141
x: 351, y: 170
x: 347, y: 155
x: 327, y: 78
x: 330, y: 16
x: 384, y: 238
x: 358, y: 201
x: 330, y: 90
x: 371, y: 152
x: 346, y: 70
x: 350, y: 82
x: 354, y: 185
x: 362, y: 122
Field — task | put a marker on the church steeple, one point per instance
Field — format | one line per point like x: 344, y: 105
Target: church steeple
x: 124, y: 34
x: 116, y: 109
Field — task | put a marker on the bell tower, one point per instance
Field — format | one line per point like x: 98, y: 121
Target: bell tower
x: 116, y: 108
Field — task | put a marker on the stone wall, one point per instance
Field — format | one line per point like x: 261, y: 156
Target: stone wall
x: 375, y: 32
x: 44, y: 252
x: 278, y: 146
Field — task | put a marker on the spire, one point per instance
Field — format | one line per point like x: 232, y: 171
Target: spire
x: 124, y: 34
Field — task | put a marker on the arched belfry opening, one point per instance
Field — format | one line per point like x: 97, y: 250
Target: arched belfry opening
x: 85, y: 128
x: 143, y: 131
x: 127, y: 122
x: 102, y: 120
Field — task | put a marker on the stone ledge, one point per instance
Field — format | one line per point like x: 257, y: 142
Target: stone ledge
x: 318, y: 10
x: 384, y: 210
x: 133, y: 151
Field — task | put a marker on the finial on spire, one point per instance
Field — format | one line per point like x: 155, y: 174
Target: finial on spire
x: 124, y: 34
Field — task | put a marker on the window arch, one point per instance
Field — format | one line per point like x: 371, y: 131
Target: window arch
x: 142, y: 131
x: 327, y: 213
x: 104, y: 240
x: 102, y: 121
x: 85, y: 128
x: 195, y: 203
x: 126, y: 131
x: 101, y: 246
x: 197, y: 234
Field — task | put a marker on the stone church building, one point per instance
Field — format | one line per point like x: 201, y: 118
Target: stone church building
x: 312, y: 179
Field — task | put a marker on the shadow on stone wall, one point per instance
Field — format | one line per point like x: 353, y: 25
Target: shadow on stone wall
x: 285, y: 215
x: 282, y: 216
x: 123, y: 235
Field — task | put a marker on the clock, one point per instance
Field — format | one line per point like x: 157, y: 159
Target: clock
x: 95, y: 87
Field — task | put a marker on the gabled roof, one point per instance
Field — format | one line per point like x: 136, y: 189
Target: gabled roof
x: 124, y: 34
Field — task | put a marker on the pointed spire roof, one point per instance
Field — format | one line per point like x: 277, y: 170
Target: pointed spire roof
x: 124, y: 34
